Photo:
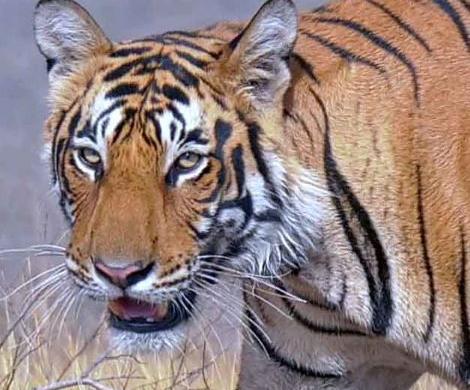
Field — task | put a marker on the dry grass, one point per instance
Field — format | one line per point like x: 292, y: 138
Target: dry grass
x: 429, y: 382
x: 43, y: 346
x: 58, y: 353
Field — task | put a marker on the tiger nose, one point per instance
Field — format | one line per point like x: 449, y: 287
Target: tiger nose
x: 124, y: 276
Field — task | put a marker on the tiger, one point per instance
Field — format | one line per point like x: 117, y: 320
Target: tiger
x: 316, y: 163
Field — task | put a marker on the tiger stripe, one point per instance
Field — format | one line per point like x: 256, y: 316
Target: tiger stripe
x: 403, y: 25
x: 426, y: 258
x: 380, y: 42
x: 464, y: 368
x: 345, y: 199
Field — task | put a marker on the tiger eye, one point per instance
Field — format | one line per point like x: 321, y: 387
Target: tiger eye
x: 89, y: 156
x: 188, y: 160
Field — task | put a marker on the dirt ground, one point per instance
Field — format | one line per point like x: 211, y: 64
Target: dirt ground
x: 28, y: 213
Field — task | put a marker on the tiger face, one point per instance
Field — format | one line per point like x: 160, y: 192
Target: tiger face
x: 168, y: 158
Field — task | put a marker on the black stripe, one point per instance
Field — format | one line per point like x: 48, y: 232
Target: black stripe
x: 275, y: 356
x: 318, y: 328
x: 405, y: 26
x: 254, y: 132
x: 149, y: 140
x: 269, y: 215
x: 128, y: 51
x: 64, y: 195
x: 456, y: 18
x: 286, y: 113
x: 175, y: 93
x: 192, y: 45
x: 179, y: 72
x: 110, y: 109
x: 103, y: 127
x: 158, y: 130
x: 219, y: 101
x: 207, y: 169
x: 177, y: 114
x: 50, y: 63
x: 88, y: 131
x: 237, y: 245
x: 307, y: 132
x: 59, y: 148
x: 464, y: 369
x: 427, y: 260
x: 239, y: 168
x: 321, y: 9
x: 148, y: 65
x: 245, y: 204
x: 129, y: 115
x: 239, y: 203
x: 172, y: 131
x: 196, y: 233
x: 466, y: 4
x: 54, y: 153
x: 74, y: 123
x: 306, y: 67
x: 196, y: 136
x: 189, y: 34
x: 166, y: 39
x: 235, y: 41
x: 380, y: 42
x: 223, y: 131
x: 123, y: 89
x: 197, y: 62
x: 357, y: 216
x: 198, y: 35
x: 344, y: 291
x: 124, y: 69
x: 213, y: 88
x: 343, y: 52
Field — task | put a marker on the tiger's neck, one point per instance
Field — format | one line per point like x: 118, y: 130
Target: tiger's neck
x: 370, y: 128
x: 396, y: 243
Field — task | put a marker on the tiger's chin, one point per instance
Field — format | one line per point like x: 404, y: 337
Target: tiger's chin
x: 139, y: 326
x: 166, y: 342
x: 183, y: 324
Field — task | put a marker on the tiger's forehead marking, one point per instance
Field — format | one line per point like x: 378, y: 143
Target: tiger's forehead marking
x: 109, y: 114
x: 106, y: 117
x: 175, y: 124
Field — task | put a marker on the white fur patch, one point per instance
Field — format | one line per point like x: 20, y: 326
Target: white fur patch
x: 104, y: 127
x: 303, y: 213
x: 173, y: 137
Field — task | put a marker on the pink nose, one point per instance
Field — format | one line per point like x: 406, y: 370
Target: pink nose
x: 123, y: 276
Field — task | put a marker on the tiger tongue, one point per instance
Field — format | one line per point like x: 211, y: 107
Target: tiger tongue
x: 129, y: 309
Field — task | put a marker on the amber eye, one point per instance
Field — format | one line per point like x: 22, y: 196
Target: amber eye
x: 187, y: 161
x: 90, y: 157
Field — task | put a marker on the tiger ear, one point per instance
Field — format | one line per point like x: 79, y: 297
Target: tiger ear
x: 255, y: 63
x: 66, y: 35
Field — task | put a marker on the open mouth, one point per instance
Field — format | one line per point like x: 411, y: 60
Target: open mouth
x: 143, y: 317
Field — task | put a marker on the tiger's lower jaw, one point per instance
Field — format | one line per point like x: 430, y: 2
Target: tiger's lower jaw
x: 153, y: 318
x: 138, y: 325
x: 167, y: 341
x: 165, y: 334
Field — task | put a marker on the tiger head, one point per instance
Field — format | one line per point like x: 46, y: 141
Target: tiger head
x: 170, y: 162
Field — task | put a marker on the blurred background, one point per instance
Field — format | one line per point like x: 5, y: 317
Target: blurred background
x: 28, y: 212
